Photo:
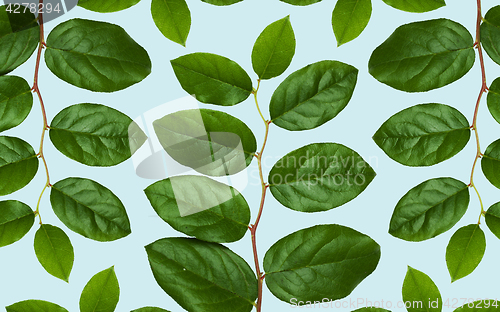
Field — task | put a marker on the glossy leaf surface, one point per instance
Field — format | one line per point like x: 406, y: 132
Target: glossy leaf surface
x: 106, y: 6
x: 173, y: 19
x: 150, y: 309
x: 300, y: 2
x: 221, y: 2
x: 16, y: 219
x: 101, y: 292
x: 465, y: 251
x: 490, y: 33
x: 490, y: 163
x: 16, y: 101
x: 18, y: 164
x: 35, y: 306
x: 492, y: 218
x: 420, y: 289
x: 493, y: 99
x: 416, y: 6
x: 349, y: 18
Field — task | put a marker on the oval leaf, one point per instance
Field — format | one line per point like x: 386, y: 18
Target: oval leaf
x: 221, y: 2
x: 18, y: 164
x: 101, y: 292
x: 89, y: 209
x: 150, y: 309
x: 424, y: 134
x: 312, y: 95
x: 173, y: 19
x: 323, y: 261
x: 465, y: 251
x: 490, y: 33
x: 202, y: 276
x: 349, y: 18
x: 429, y: 209
x: 490, y: 163
x: 493, y: 99
x: 99, y: 56
x: 319, y: 177
x: 35, y: 306
x: 54, y: 251
x: 416, y: 6
x: 16, y: 101
x: 201, y: 207
x: 16, y: 219
x: 210, y: 142
x: 420, y: 290
x: 106, y: 6
x: 300, y: 2
x: 492, y: 218
x: 422, y: 56
x: 274, y: 49
x: 485, y: 305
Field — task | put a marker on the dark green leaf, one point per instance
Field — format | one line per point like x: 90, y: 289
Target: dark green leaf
x: 101, y: 293
x: 422, y: 56
x: 492, y: 218
x: 493, y: 99
x: 416, y: 6
x: 424, y: 134
x: 96, y: 56
x: 349, y: 18
x: 485, y: 305
x: 300, y: 2
x: 465, y: 251
x: 420, y: 290
x: 490, y: 33
x: 212, y: 78
x: 274, y: 49
x: 106, y: 6
x: 490, y: 163
x: 323, y: 261
x: 150, y: 309
x: 210, y: 142
x: 319, y: 177
x: 16, y: 219
x: 429, y: 209
x: 54, y: 251
x: 93, y: 134
x: 89, y: 209
x: 222, y: 2
x: 18, y: 164
x: 202, y: 276
x: 15, y: 101
x: 201, y: 207
x: 173, y: 19
x: 35, y: 306
x: 312, y: 95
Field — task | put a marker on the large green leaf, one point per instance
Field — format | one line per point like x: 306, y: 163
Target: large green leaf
x: 420, y: 290
x: 173, y: 19
x: 16, y: 101
x: 465, y: 251
x: 490, y: 163
x: 35, y: 306
x: 212, y: 78
x: 89, y: 209
x: 493, y: 99
x: 18, y: 164
x: 93, y: 134
x: 201, y: 207
x: 424, y: 134
x: 492, y: 218
x: 300, y: 2
x: 16, y: 219
x: 429, y: 209
x: 484, y: 305
x: 101, y: 292
x: 97, y: 56
x: 323, y: 261
x: 209, y: 141
x: 349, y: 18
x: 422, y: 56
x: 222, y: 2
x: 416, y: 6
x: 106, y: 6
x: 274, y: 49
x: 490, y: 33
x: 312, y: 95
x: 19, y: 36
x: 150, y: 309
x: 202, y: 276
x: 54, y: 251
x: 319, y: 177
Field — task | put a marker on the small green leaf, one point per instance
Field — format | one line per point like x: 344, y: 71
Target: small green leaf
x: 319, y: 177
x: 416, y: 6
x: 35, y: 306
x: 16, y: 101
x: 54, y: 251
x: 492, y: 218
x: 89, y: 209
x: 173, y: 19
x: 96, y: 56
x: 349, y: 18
x: 300, y: 2
x: 493, y: 99
x: 429, y: 209
x: 490, y: 163
x: 107, y: 6
x: 424, y: 134
x: 490, y: 33
x: 274, y: 49
x: 150, y: 309
x: 422, y: 56
x: 202, y: 276
x: 101, y: 292
x: 485, y: 305
x: 221, y: 2
x: 420, y: 290
x: 18, y: 164
x: 201, y: 207
x: 323, y: 261
x: 16, y: 219
x: 208, y: 141
x: 312, y: 95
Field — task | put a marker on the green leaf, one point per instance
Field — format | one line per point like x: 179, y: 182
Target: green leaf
x: 202, y: 276
x: 35, y: 306
x: 96, y: 56
x: 16, y: 101
x: 319, y: 177
x: 221, y: 2
x: 490, y: 163
x: 416, y: 6
x: 93, y: 134
x: 465, y: 251
x: 420, y: 290
x: 493, y: 99
x: 89, y: 209
x: 349, y: 18
x: 201, y: 207
x: 18, y: 164
x: 492, y: 218
x: 274, y: 49
x: 424, y: 134
x: 54, y: 251
x: 312, y: 95
x: 16, y: 219
x: 106, y: 6
x: 323, y: 261
x: 101, y: 292
x: 208, y: 141
x: 212, y: 78
x: 429, y: 209
x: 485, y: 305
x: 150, y: 309
x: 422, y: 56
x: 490, y: 33
x: 300, y: 2
x: 19, y: 36
x: 173, y: 19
